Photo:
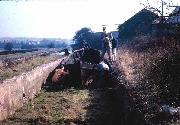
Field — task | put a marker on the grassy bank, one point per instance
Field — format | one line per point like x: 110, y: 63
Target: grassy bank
x: 151, y: 68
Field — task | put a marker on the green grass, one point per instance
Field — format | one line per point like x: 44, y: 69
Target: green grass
x: 52, y: 107
x: 79, y: 106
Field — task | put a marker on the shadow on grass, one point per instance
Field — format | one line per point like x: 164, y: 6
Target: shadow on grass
x: 107, y: 105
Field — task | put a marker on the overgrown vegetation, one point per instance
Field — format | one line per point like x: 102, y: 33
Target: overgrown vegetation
x: 151, y: 68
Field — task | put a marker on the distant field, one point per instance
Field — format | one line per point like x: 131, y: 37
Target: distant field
x: 15, y: 64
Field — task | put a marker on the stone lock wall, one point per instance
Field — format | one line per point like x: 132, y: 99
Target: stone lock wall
x: 15, y: 91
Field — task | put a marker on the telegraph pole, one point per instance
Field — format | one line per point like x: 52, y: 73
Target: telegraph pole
x: 162, y: 2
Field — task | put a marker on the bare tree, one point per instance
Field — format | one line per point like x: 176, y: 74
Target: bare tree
x: 161, y: 7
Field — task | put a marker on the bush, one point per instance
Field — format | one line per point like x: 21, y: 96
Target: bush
x: 51, y: 45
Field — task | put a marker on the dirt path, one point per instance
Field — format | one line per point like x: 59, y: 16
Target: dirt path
x: 67, y: 107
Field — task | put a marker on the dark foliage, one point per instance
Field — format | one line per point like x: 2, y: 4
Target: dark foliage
x: 8, y: 46
x: 27, y: 46
x: 86, y: 35
x: 51, y: 45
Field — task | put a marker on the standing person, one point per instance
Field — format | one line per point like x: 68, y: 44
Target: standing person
x: 114, y: 46
x: 103, y: 33
x: 107, y: 46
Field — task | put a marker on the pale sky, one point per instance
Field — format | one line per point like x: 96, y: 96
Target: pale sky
x: 62, y: 18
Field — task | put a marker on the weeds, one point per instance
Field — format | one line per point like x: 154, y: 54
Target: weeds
x: 151, y: 68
